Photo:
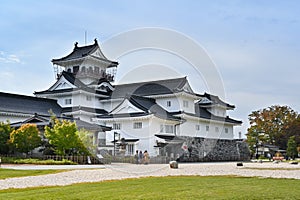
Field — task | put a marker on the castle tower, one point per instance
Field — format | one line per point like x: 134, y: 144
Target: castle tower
x: 83, y: 80
x: 87, y: 63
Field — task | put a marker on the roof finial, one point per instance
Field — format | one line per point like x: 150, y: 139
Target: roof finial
x: 76, y: 44
x: 95, y: 40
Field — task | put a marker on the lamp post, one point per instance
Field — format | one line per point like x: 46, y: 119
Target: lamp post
x: 115, y: 133
x: 256, y: 145
x: 115, y: 143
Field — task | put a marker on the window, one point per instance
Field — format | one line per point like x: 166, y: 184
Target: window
x: 101, y: 142
x: 166, y: 128
x: 217, y: 129
x: 116, y: 126
x: 130, y: 149
x: 90, y: 70
x: 185, y: 104
x: 226, y: 130
x: 207, y: 128
x: 161, y: 128
x: 68, y: 101
x: 168, y: 103
x: 169, y: 129
x: 137, y: 125
x: 97, y: 71
x: 89, y: 98
x: 75, y: 69
x: 197, y: 127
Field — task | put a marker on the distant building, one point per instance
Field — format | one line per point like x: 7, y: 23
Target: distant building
x: 135, y: 116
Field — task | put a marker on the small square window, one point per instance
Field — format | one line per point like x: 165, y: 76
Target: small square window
x: 217, y: 129
x: 185, y: 104
x: 168, y: 103
x: 89, y: 98
x: 137, y: 125
x: 226, y: 130
x: 207, y: 128
x: 68, y: 101
x: 116, y: 126
x: 197, y: 127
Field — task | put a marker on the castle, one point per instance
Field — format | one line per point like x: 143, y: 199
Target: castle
x: 164, y: 117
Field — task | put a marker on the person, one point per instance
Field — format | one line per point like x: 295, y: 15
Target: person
x: 136, y: 157
x: 146, y: 157
x: 140, y: 157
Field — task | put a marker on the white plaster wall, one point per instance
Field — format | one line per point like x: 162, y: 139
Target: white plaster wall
x: 191, y: 105
x: 146, y: 137
x: 218, y: 111
x: 175, y: 103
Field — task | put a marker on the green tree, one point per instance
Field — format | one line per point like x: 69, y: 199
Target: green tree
x: 86, y: 138
x: 26, y: 138
x: 268, y: 125
x: 5, y: 131
x: 291, y: 150
x: 64, y: 137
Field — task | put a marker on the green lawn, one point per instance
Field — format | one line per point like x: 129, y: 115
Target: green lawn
x: 10, y: 173
x: 182, y: 187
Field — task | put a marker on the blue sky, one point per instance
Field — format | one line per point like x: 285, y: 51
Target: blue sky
x: 254, y: 44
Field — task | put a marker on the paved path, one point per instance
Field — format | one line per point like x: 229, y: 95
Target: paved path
x: 118, y: 171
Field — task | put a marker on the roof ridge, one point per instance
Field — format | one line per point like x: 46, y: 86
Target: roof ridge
x: 151, y: 81
x: 6, y: 94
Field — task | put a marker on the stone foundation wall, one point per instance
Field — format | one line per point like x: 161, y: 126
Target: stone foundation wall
x: 204, y: 149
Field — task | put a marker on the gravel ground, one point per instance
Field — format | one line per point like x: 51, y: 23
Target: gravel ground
x: 118, y: 171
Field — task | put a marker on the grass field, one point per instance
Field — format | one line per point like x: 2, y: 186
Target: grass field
x: 181, y: 187
x: 10, y: 173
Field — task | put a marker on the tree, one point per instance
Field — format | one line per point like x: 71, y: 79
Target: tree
x: 293, y: 129
x: 5, y: 131
x: 291, y: 150
x: 64, y: 137
x: 86, y: 138
x: 26, y: 138
x: 269, y: 124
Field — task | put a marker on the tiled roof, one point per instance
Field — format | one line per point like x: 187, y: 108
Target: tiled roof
x: 44, y: 120
x: 82, y: 52
x: 148, y: 105
x: 76, y: 82
x: 82, y: 108
x: 27, y: 104
x: 204, y: 114
x: 168, y: 86
x: 213, y: 100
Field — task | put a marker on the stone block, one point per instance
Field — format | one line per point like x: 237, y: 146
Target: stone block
x: 173, y: 164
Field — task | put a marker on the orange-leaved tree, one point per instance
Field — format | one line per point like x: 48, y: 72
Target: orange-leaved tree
x: 26, y: 138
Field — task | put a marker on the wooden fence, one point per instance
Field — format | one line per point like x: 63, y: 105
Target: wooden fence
x: 77, y: 159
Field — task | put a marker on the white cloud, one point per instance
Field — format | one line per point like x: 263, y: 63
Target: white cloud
x: 9, y: 58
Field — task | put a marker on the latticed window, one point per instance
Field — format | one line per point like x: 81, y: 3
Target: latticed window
x: 168, y: 103
x: 89, y: 98
x: 130, y: 149
x: 217, y: 129
x: 68, y: 101
x: 137, y: 125
x: 116, y: 126
x: 207, y: 128
x: 185, y: 104
x: 166, y: 128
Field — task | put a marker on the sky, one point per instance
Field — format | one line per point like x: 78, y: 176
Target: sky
x: 254, y: 45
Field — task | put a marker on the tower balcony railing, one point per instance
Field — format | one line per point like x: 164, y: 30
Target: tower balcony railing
x: 94, y: 74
